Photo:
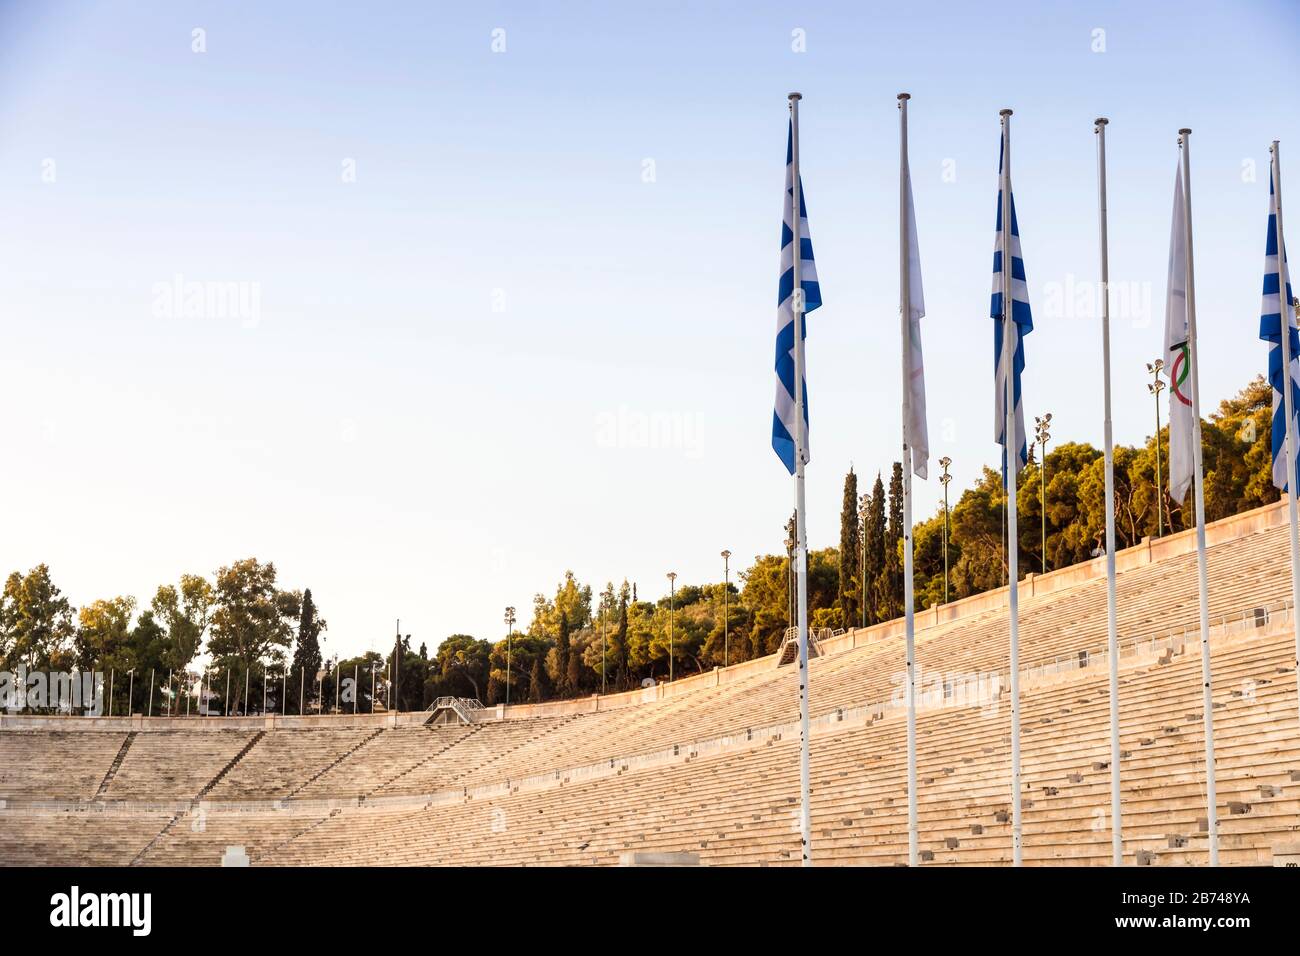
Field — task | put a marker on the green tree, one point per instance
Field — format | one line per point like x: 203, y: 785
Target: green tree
x: 891, y: 575
x: 562, y: 658
x: 184, y: 613
x: 36, y: 623
x: 850, y: 552
x: 252, y: 622
x: 104, y: 634
x: 306, y: 653
x: 874, y: 566
x: 460, y: 667
x: 538, y: 685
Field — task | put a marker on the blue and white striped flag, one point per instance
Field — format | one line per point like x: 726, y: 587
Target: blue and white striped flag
x: 1272, y: 309
x: 1022, y: 323
x: 783, y: 418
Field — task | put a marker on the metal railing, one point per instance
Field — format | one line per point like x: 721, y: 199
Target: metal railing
x: 465, y: 708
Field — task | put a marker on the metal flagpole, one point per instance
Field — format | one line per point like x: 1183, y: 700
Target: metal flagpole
x: 1202, y: 580
x: 1112, y: 632
x: 905, y: 315
x: 225, y: 700
x: 263, y: 690
x: 356, y: 694
x: 801, y: 438
x: 247, y: 677
x: 151, y: 692
x: 169, y: 692
x: 302, y: 690
x: 1288, y: 409
x: 1010, y: 457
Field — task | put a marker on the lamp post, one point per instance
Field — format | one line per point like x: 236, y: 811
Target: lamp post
x: 672, y: 585
x: 510, y: 630
x: 1155, y: 387
x: 943, y: 480
x: 1042, y: 433
x: 726, y: 606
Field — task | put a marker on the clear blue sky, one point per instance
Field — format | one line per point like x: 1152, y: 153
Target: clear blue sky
x: 436, y: 411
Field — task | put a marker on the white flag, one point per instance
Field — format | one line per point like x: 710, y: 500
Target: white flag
x: 1177, y: 356
x: 917, y: 437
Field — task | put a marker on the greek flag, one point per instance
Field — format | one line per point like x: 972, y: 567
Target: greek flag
x: 783, y: 418
x: 1270, y: 330
x: 1022, y: 322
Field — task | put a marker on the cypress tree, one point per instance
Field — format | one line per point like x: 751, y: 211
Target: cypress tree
x: 537, y: 683
x: 874, y: 530
x: 306, y: 656
x: 620, y: 642
x: 850, y: 551
x: 562, y: 657
x: 575, y: 672
x: 893, y: 575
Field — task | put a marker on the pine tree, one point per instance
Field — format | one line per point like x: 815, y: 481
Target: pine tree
x: 850, y: 549
x: 874, y: 532
x: 892, y: 579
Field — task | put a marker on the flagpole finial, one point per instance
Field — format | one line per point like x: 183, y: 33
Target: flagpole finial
x: 1004, y: 112
x: 795, y: 96
x: 904, y: 96
x: 1100, y: 121
x: 1184, y: 131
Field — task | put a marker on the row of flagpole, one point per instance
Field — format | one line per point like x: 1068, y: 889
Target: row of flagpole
x: 799, y: 293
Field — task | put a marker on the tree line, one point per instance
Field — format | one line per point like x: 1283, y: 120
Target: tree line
x: 261, y: 638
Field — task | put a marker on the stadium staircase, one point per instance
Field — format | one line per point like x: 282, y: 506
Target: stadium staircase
x: 789, y: 651
x: 466, y: 710
x: 113, y: 767
x: 336, y: 762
